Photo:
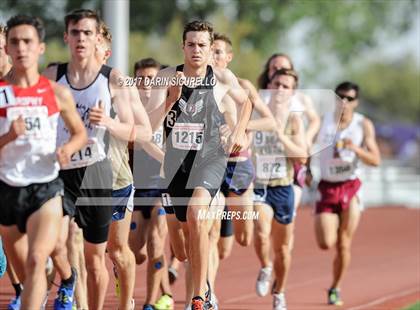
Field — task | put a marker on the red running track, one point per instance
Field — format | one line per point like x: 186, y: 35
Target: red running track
x: 384, y: 273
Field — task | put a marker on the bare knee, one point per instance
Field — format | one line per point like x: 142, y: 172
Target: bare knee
x: 224, y: 253
x: 140, y: 258
x: 95, y: 263
x: 326, y: 244
x: 36, y: 260
x: 343, y: 246
x: 244, y: 239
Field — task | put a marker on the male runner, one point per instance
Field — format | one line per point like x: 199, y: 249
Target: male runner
x: 194, y: 160
x: 300, y: 103
x: 30, y: 106
x: 149, y: 224
x: 123, y: 190
x: 274, y: 157
x: 5, y: 66
x: 88, y: 177
x: 338, y: 205
x: 237, y: 184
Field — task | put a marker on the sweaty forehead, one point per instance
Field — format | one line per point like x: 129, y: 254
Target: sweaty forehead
x: 197, y: 37
x: 351, y: 92
x: 219, y: 44
x: 22, y: 32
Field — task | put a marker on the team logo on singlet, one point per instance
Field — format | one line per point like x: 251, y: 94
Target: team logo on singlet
x: 191, y: 108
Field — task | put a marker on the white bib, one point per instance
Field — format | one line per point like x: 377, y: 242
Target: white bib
x: 271, y: 167
x: 88, y: 155
x: 187, y: 136
x: 158, y: 137
x: 36, y: 121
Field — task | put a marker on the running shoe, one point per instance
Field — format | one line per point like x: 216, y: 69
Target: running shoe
x: 65, y: 294
x: 263, y: 281
x: 3, y: 260
x: 14, y: 304
x: 334, y: 297
x: 198, y: 304
x: 210, y: 302
x: 173, y: 275
x: 279, y: 302
x: 165, y: 302
x: 148, y: 307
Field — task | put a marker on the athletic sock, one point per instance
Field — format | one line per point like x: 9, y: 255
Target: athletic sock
x: 70, y: 280
x: 18, y: 289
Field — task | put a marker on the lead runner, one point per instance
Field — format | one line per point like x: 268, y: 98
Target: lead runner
x: 195, y: 161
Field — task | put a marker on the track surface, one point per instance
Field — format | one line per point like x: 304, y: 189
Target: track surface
x: 384, y: 273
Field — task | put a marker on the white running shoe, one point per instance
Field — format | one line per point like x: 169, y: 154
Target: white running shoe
x: 263, y: 281
x: 279, y: 302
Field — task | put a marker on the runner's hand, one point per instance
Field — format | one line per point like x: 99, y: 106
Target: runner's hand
x: 174, y: 91
x: 97, y: 115
x: 308, y: 178
x: 348, y: 144
x: 237, y: 142
x: 17, y: 128
x: 225, y: 132
x: 63, y: 156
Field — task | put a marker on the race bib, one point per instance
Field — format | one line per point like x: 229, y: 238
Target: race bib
x: 263, y: 138
x: 271, y: 167
x: 88, y: 155
x: 158, y: 137
x: 7, y: 97
x: 36, y: 120
x: 186, y: 136
x: 338, y: 168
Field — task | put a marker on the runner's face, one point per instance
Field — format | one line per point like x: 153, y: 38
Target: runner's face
x: 24, y: 47
x: 197, y: 48
x: 143, y: 74
x: 278, y: 63
x: 347, y: 100
x: 82, y: 38
x: 221, y: 58
x: 284, y: 86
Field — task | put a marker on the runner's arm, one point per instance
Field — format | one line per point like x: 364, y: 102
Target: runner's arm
x: 314, y: 121
x: 295, y: 146
x: 163, y: 97
x: 123, y: 127
x: 266, y: 121
x: 73, y: 122
x: 240, y: 96
x: 143, y: 129
x: 154, y: 151
x: 369, y: 153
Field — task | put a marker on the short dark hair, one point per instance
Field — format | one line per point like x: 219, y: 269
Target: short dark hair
x: 224, y: 38
x: 146, y: 63
x: 346, y: 86
x: 79, y: 14
x: 264, y: 79
x: 198, y: 25
x: 19, y: 20
x: 287, y: 72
